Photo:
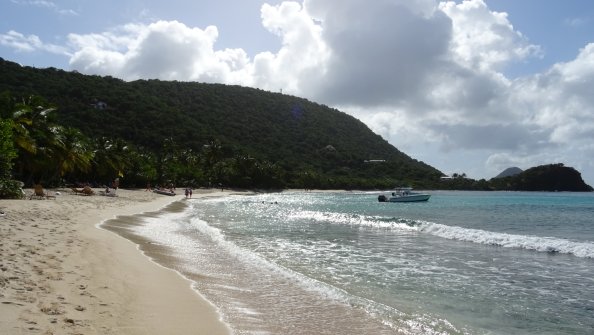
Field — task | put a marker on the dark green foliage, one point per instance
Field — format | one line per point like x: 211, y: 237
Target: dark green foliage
x: 211, y: 134
x: 462, y: 183
x: 7, y: 151
x: 9, y: 188
x: 552, y: 177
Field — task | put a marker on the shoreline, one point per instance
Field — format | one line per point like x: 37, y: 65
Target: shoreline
x: 60, y: 271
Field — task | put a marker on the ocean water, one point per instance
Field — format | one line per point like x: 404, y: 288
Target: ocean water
x: 343, y: 263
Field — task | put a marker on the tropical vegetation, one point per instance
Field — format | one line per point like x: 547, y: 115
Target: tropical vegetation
x: 70, y: 127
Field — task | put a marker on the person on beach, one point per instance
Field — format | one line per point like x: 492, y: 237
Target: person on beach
x: 187, y: 192
x: 148, y: 187
x: 190, y: 192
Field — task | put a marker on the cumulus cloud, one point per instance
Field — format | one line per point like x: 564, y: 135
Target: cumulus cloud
x: 560, y: 99
x: 302, y: 57
x: 167, y: 50
x: 483, y: 39
x: 380, y: 54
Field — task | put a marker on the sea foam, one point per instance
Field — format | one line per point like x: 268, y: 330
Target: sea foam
x: 536, y: 243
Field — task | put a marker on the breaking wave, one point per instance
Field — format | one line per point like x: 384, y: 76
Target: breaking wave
x: 535, y: 243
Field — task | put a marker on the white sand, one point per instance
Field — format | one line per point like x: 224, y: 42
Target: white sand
x: 59, y: 274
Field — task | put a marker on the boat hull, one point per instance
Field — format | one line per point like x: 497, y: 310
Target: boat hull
x: 410, y: 198
x: 170, y: 193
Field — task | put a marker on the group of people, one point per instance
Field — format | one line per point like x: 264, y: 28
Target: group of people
x: 188, y: 192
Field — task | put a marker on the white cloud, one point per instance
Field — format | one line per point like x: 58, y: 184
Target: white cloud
x: 379, y: 54
x: 302, y: 59
x: 166, y: 50
x: 46, y: 4
x: 560, y: 99
x: 19, y: 41
x: 30, y: 43
x: 485, y: 40
x: 38, y: 3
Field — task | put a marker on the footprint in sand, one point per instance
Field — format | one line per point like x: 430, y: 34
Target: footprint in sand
x: 51, y: 309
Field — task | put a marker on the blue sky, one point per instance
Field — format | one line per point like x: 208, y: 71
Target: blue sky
x: 469, y: 86
x: 560, y: 27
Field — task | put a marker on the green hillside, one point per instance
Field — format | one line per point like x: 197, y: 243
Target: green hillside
x: 295, y: 142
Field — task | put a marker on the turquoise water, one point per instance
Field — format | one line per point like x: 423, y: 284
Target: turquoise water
x: 343, y: 263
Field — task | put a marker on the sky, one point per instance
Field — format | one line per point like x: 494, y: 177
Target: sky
x: 473, y: 86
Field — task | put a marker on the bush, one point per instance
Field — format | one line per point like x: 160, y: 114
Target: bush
x: 11, y: 189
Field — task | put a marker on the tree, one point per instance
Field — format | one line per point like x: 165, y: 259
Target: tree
x: 143, y: 168
x: 111, y: 158
x: 34, y: 138
x: 7, y: 151
x: 8, y: 188
x: 212, y: 155
x: 72, y: 152
x: 46, y: 150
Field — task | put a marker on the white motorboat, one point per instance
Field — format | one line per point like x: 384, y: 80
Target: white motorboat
x: 404, y: 194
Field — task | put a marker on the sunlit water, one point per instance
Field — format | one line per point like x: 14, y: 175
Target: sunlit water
x: 343, y: 263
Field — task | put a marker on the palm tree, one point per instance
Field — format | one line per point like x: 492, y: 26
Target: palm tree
x: 46, y: 149
x: 30, y: 123
x: 71, y: 152
x: 34, y: 137
x: 213, y: 166
x: 111, y: 157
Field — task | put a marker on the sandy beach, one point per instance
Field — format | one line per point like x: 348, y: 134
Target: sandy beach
x: 60, y: 274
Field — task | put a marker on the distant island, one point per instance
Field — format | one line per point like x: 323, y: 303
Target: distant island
x: 552, y: 177
x: 548, y: 178
x: 509, y: 172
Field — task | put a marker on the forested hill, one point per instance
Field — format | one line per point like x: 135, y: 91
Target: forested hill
x: 550, y: 177
x: 297, y: 136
